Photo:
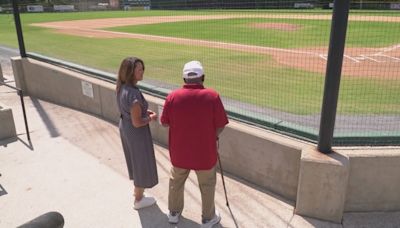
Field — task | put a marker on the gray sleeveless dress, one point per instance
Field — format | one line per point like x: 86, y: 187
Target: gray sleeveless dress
x: 137, y: 143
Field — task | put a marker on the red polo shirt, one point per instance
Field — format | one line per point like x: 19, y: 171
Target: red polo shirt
x: 193, y: 114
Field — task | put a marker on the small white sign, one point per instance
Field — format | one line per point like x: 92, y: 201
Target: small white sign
x: 63, y: 8
x: 160, y: 110
x: 305, y: 5
x: 34, y: 8
x: 395, y: 6
x: 87, y: 89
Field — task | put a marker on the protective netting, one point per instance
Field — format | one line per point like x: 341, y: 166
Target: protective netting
x: 266, y: 58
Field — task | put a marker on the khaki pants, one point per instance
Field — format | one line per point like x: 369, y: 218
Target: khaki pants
x: 207, y: 180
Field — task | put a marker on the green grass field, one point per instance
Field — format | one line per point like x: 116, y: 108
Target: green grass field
x: 310, y: 33
x: 247, y: 77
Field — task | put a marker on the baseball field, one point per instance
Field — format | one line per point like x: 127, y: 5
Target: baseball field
x: 269, y: 59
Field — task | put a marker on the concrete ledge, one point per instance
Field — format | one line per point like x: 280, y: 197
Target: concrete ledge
x: 18, y: 69
x: 322, y: 185
x: 374, y: 181
x: 7, y: 125
x: 65, y: 87
x: 270, y: 160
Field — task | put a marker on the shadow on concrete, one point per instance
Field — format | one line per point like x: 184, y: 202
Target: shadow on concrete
x: 5, y: 142
x: 372, y: 219
x: 29, y: 144
x: 233, y: 206
x: 154, y: 217
x: 45, y: 118
x: 254, y: 186
x: 321, y: 224
x: 343, y: 160
x: 2, y: 191
x: 115, y: 123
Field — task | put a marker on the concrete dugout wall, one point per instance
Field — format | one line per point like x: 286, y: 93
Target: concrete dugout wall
x: 322, y: 186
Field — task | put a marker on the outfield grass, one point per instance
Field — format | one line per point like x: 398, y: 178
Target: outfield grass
x: 246, y: 77
x: 310, y: 33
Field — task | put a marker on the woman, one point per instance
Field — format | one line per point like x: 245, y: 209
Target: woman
x: 135, y: 132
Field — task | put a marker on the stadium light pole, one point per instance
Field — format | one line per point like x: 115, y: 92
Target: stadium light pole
x: 333, y: 73
x: 18, y: 28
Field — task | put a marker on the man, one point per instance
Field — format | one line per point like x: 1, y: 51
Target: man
x: 195, y: 117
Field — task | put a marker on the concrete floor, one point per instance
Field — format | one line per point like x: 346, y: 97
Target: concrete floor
x: 74, y: 164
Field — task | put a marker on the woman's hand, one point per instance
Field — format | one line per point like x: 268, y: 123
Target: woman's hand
x: 152, y: 115
x: 136, y: 116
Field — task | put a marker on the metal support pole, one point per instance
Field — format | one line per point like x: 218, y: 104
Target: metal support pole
x: 18, y: 28
x: 21, y: 95
x: 333, y: 73
x: 1, y: 75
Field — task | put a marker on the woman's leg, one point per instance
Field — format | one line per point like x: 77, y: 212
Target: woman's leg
x: 138, y: 193
x: 142, y: 201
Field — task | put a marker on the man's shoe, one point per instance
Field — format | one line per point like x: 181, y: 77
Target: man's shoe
x: 144, y: 202
x: 173, y: 217
x: 209, y: 223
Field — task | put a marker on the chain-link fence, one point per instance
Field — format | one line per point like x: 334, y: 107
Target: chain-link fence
x: 266, y: 58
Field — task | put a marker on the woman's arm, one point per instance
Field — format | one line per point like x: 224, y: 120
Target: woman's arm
x: 136, y: 116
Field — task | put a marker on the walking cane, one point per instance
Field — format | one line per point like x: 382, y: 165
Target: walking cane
x: 223, y: 184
